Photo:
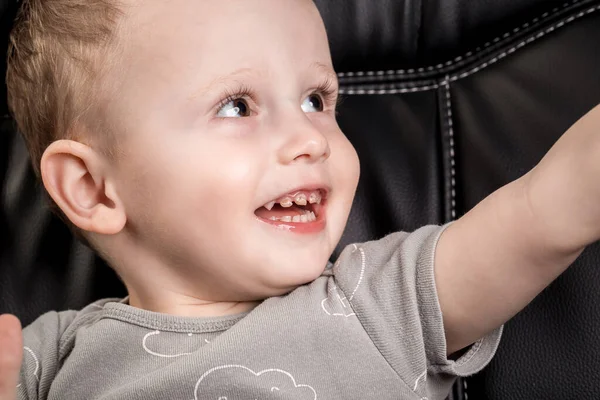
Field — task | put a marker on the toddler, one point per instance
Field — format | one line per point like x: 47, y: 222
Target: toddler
x: 194, y: 145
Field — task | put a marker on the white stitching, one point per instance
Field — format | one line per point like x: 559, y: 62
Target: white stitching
x: 525, y: 42
x: 412, y: 89
x: 471, y: 353
x: 453, y: 78
x: 458, y: 59
x: 450, y: 125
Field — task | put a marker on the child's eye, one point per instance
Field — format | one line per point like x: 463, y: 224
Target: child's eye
x: 234, y: 108
x: 312, y: 103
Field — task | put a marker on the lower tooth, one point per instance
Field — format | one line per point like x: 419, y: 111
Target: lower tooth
x: 308, y: 216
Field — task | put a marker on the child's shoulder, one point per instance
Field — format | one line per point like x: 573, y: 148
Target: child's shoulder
x: 60, y: 327
x: 393, y: 245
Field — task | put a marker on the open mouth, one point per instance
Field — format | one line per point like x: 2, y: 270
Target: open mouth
x: 299, y: 207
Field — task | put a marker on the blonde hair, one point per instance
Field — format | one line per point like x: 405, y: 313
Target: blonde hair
x: 58, y: 52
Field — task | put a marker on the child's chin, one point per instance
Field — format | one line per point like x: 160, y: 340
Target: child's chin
x: 299, y: 275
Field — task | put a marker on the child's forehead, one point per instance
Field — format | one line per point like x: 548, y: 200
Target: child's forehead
x: 208, y: 34
x: 208, y: 15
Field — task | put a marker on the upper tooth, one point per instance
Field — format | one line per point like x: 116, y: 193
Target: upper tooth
x: 301, y: 199
x: 269, y: 206
x: 314, y: 198
x: 287, y: 202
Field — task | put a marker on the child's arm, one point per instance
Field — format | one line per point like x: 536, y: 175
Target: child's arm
x: 11, y: 354
x: 495, y: 259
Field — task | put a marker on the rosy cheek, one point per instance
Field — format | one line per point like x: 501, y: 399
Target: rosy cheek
x: 237, y: 171
x: 345, y: 159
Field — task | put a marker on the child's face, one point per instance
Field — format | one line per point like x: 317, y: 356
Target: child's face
x: 197, y: 167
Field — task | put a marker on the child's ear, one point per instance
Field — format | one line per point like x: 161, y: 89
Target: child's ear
x: 76, y: 177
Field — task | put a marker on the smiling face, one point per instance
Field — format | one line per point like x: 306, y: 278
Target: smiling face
x: 233, y: 171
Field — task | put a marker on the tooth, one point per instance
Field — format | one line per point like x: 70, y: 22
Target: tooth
x: 296, y: 218
x: 286, y: 203
x: 273, y: 218
x: 287, y: 218
x: 269, y: 206
x: 303, y: 218
x: 313, y: 217
x: 318, y: 198
x: 312, y: 199
x: 301, y: 199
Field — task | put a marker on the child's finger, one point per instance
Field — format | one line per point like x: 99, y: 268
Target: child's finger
x: 11, y: 355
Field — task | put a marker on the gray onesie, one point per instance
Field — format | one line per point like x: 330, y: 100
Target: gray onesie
x: 368, y: 328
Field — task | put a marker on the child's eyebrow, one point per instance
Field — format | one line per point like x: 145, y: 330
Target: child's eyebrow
x: 326, y: 69
x: 223, y: 79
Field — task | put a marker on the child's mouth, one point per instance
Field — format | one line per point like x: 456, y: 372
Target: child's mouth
x: 302, y: 209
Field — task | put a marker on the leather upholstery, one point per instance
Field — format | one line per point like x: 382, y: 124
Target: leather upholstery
x: 445, y: 101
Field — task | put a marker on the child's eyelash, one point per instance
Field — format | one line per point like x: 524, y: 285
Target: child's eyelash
x: 242, y: 92
x: 328, y: 91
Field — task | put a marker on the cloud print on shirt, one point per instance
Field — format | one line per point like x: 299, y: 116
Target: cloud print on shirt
x: 336, y: 304
x: 236, y: 382
x: 32, y: 355
x: 165, y: 348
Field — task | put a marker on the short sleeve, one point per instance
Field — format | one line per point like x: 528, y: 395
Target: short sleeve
x: 42, y: 353
x: 390, y: 285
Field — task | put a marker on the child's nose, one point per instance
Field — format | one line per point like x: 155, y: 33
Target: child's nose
x: 306, y: 143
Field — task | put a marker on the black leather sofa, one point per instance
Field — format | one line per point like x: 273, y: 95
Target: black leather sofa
x: 445, y: 101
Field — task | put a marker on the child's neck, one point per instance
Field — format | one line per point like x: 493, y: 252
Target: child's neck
x: 187, y: 306
x: 164, y: 289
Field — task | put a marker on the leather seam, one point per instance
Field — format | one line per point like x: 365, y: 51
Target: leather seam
x: 353, y: 90
x: 450, y: 63
x: 451, y: 142
x: 382, y: 89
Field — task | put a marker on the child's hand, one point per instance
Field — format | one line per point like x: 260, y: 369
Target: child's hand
x: 11, y: 355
